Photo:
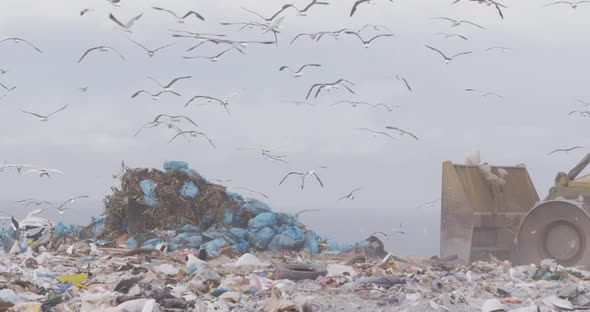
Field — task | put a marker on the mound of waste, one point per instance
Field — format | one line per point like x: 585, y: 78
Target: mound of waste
x: 175, y: 209
x: 178, y: 208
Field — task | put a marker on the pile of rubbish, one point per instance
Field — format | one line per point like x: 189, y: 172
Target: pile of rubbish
x: 179, y: 209
x: 176, y: 209
x: 85, y: 277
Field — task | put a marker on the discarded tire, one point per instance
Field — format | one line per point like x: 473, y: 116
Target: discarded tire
x: 297, y: 272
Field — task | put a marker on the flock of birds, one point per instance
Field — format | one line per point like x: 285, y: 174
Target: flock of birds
x: 184, y: 127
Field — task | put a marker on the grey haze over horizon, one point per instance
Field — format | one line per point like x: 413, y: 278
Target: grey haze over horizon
x: 541, y: 78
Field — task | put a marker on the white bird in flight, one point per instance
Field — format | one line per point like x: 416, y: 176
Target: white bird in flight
x: 329, y: 86
x: 402, y: 132
x: 447, y: 36
x: 62, y: 207
x: 573, y: 4
x: 193, y: 134
x: 127, y: 26
x: 44, y: 117
x: 149, y: 52
x: 367, y: 43
x: 455, y: 22
x: 44, y: 172
x: 214, y: 58
x: 19, y: 40
x: 447, y: 59
x: 180, y: 19
x: 375, y: 133
x: 156, y: 96
x: 565, y: 150
x: 303, y: 176
x: 223, y: 102
x: 350, y: 195
x: 485, y: 93
x: 101, y: 49
x: 299, y: 72
x: 168, y: 87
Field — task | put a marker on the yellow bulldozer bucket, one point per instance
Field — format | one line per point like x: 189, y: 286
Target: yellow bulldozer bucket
x: 481, y: 213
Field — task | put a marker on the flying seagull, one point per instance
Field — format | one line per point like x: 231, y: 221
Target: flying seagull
x: 151, y: 53
x: 114, y: 2
x: 573, y: 4
x: 154, y: 124
x: 266, y: 153
x: 335, y: 34
x: 367, y: 43
x: 583, y: 102
x: 387, y: 107
x: 62, y: 207
x: 565, y: 150
x: 447, y: 36
x: 18, y: 168
x: 497, y: 5
x: 101, y: 49
x: 180, y: 19
x: 402, y: 132
x: 447, y: 59
x: 455, y: 23
x: 299, y: 103
x: 175, y: 118
x: 251, y: 191
x: 359, y: 2
x: 44, y: 117
x: 375, y: 27
x: 304, y: 11
x: 31, y: 201
x: 44, y: 172
x: 581, y: 113
x: 222, y: 102
x: 306, y: 210
x: 329, y: 86
x: 214, y: 58
x: 501, y: 49
x: 268, y: 20
x: 85, y: 11
x: 249, y: 25
x: 484, y: 93
x: 350, y: 195
x: 8, y: 89
x: 156, y: 96
x: 168, y: 87
x: 401, y: 78
x: 83, y: 89
x: 311, y: 36
x: 428, y: 204
x: 19, y: 40
x: 303, y: 176
x: 354, y: 103
x: 375, y: 133
x: 299, y: 72
x: 125, y: 27
x: 193, y: 134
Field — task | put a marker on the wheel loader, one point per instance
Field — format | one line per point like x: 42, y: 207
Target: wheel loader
x: 495, y: 210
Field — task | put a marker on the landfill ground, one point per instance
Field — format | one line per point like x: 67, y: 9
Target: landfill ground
x: 87, y: 278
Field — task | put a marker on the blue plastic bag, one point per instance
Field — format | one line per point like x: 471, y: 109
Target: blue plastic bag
x: 214, y: 246
x: 293, y: 232
x: 187, y: 228
x: 240, y: 234
x: 148, y: 187
x: 261, y: 238
x: 282, y: 242
x: 228, y: 217
x: 175, y: 165
x: 183, y: 240
x: 61, y: 229
x: 193, y: 174
x: 263, y: 220
x: 311, y: 243
x: 189, y: 190
x: 255, y: 206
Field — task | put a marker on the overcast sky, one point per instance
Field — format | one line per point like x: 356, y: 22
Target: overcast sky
x: 540, y: 78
